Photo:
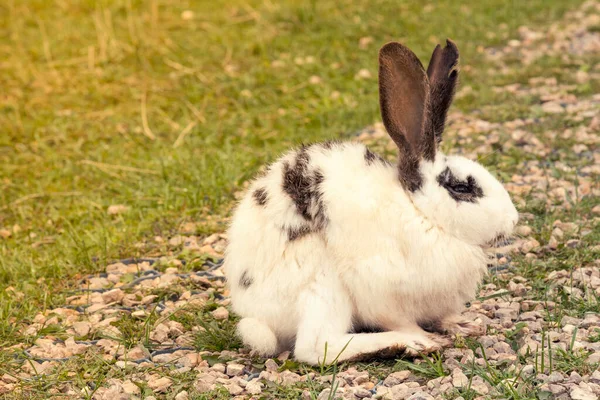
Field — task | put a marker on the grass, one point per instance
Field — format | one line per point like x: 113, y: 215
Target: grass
x: 167, y: 108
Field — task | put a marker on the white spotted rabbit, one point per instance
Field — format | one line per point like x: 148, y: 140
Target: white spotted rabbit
x: 333, y: 239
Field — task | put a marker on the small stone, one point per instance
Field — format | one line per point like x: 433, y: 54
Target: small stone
x: 396, y: 378
x: 95, y: 308
x: 254, y: 386
x: 552, y: 107
x: 220, y: 313
x: 130, y: 387
x: 117, y: 268
x: 556, y: 389
x: 361, y: 392
x: 575, y: 377
x: 459, y: 379
x: 529, y: 246
x: 478, y: 385
x: 556, y: 377
x: 363, y: 74
x: 183, y: 395
x: 202, y: 386
x: 82, y: 328
x: 187, y: 15
x: 160, y: 385
x: 528, y: 371
x: 566, y: 320
x: 234, y: 369
x: 506, y: 313
x: 113, y: 296
x: 421, y: 396
x: 580, y: 394
x: 98, y: 283
x: 582, y: 76
x: 595, y: 378
x: 116, y: 209
x: 523, y: 230
x: 234, y: 389
x: 138, y: 353
x: 271, y: 365
x: 518, y: 289
x: 593, y: 358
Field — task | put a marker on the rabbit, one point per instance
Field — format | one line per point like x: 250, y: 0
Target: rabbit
x: 339, y: 255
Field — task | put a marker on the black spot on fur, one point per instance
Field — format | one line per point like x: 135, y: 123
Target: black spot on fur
x: 366, y: 329
x: 467, y: 190
x: 370, y: 157
x: 297, y: 233
x: 304, y: 188
x: 246, y: 280
x: 320, y: 215
x: 433, y: 326
x: 386, y: 353
x: 330, y: 144
x: 260, y: 195
x: 297, y: 182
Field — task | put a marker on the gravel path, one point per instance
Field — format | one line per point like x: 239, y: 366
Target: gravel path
x: 539, y: 305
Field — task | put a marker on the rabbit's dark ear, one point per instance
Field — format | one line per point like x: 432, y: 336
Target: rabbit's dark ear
x: 403, y: 98
x: 443, y: 77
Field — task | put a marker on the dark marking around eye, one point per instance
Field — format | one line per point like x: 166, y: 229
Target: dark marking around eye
x: 467, y: 190
x: 246, y: 280
x: 260, y: 195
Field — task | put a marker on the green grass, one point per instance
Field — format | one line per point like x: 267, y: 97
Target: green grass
x: 96, y: 96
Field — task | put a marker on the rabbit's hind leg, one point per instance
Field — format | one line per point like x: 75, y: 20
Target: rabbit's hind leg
x: 326, y: 319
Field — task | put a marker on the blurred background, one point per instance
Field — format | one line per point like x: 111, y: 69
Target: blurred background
x: 122, y: 120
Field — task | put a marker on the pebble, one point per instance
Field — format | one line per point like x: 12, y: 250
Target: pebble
x: 82, y: 328
x: 220, y: 313
x: 234, y: 369
x: 183, y: 395
x: 396, y: 378
x: 421, y: 396
x: 160, y: 385
x: 459, y: 379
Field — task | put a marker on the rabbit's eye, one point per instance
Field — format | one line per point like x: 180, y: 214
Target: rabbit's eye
x: 461, y: 188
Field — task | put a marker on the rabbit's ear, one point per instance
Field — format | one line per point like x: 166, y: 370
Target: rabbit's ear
x: 443, y: 77
x: 404, y: 98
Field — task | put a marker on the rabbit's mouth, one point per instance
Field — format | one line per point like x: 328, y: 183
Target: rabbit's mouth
x: 501, y: 240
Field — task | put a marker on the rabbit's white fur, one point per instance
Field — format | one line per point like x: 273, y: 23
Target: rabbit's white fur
x: 385, y: 258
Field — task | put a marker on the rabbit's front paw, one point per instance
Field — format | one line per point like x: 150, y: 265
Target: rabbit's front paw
x: 458, y: 326
x: 421, y: 344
